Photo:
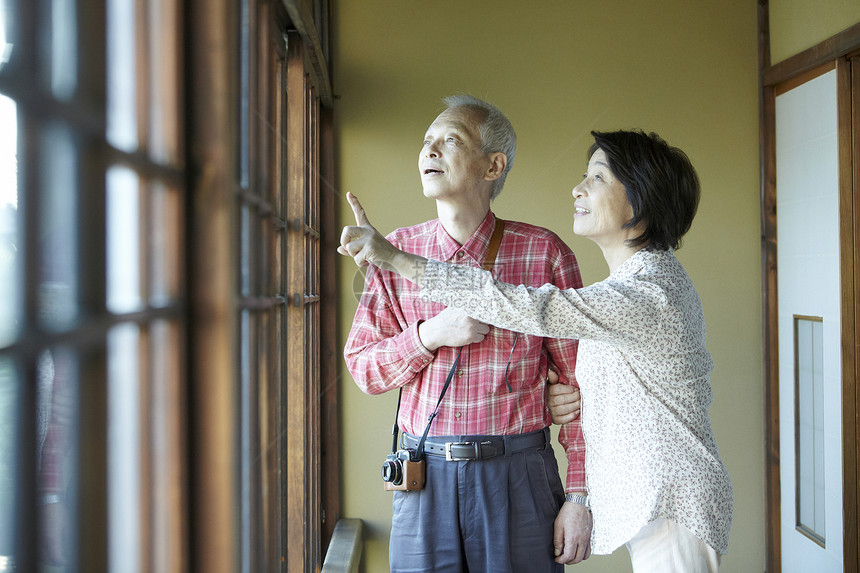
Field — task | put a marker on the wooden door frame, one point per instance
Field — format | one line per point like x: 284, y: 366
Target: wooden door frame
x: 836, y: 51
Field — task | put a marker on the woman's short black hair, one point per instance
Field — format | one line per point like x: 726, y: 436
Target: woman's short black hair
x: 661, y: 184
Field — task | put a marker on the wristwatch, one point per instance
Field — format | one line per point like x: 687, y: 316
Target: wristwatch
x: 577, y: 499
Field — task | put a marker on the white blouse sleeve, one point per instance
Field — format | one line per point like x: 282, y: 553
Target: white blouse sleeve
x: 620, y: 311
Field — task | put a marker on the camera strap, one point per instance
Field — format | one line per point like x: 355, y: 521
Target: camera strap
x: 419, y: 451
x: 489, y: 260
x: 420, y: 448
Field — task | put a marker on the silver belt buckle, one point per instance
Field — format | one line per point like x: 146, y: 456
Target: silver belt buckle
x: 451, y: 458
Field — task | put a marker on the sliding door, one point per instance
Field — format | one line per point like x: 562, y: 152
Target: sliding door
x: 810, y: 369
x: 811, y: 285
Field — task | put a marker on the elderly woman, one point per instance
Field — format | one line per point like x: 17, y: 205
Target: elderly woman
x: 655, y: 478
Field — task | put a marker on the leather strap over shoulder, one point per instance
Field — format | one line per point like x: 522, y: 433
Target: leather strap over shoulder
x: 493, y: 248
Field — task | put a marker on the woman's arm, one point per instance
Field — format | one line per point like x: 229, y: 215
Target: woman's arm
x: 617, y: 312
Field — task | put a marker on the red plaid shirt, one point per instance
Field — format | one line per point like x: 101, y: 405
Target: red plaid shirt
x: 383, y: 351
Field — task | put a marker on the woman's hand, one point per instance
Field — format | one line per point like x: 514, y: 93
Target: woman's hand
x: 363, y: 242
x: 367, y: 246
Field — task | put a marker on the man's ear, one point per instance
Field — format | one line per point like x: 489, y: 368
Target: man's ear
x: 498, y: 163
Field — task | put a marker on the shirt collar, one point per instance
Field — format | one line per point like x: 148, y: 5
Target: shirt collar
x: 638, y: 260
x: 474, y: 249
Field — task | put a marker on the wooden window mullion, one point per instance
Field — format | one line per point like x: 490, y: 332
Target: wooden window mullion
x: 296, y: 389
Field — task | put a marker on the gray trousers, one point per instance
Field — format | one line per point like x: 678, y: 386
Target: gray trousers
x: 487, y: 516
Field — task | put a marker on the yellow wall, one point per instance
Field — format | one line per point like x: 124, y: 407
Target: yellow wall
x: 686, y: 70
x: 796, y: 25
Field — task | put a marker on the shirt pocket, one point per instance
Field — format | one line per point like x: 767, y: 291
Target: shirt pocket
x: 517, y: 359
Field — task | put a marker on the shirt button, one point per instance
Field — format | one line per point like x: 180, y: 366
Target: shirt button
x: 459, y: 254
x: 457, y: 415
x: 459, y: 372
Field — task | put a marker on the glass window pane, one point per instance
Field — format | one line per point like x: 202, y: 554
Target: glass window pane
x: 122, y: 103
x: 124, y: 468
x: 166, y: 453
x: 245, y: 250
x: 58, y: 236
x: 10, y: 264
x: 57, y: 441
x: 64, y: 54
x: 244, y: 98
x: 9, y: 380
x: 165, y: 126
x: 8, y: 33
x: 123, y: 241
x: 818, y: 423
x: 809, y: 385
x: 165, y: 245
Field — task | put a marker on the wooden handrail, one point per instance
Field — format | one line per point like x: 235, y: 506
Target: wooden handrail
x: 344, y: 551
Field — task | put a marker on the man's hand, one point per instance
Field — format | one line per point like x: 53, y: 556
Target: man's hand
x: 563, y: 400
x: 451, y: 327
x: 572, y: 538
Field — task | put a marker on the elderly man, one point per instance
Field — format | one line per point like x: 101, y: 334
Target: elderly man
x: 493, y: 500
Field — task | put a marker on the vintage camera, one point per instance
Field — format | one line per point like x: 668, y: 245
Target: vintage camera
x: 402, y: 470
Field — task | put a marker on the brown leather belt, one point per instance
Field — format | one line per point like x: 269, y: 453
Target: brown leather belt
x: 460, y: 448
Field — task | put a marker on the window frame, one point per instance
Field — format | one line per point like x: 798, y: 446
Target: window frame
x: 298, y: 532
x: 83, y: 113
x: 204, y: 426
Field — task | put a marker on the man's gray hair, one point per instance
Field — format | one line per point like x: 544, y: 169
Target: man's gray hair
x: 497, y: 133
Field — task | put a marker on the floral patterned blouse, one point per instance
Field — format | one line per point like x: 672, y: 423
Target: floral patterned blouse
x: 644, y: 373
